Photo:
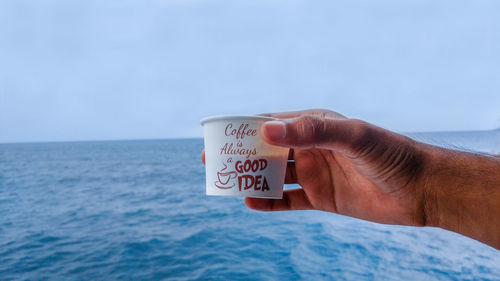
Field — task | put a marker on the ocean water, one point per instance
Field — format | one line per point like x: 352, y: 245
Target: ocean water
x: 136, y: 210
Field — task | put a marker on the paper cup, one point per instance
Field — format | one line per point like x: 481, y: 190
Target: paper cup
x: 238, y: 161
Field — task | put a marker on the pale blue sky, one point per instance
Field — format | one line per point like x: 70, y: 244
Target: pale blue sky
x: 92, y: 70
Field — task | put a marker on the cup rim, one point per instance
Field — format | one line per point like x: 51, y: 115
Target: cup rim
x: 235, y: 117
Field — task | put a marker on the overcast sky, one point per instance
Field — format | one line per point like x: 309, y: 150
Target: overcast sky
x: 97, y: 70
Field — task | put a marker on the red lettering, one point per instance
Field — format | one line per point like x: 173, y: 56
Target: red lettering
x: 229, y: 126
x: 263, y: 164
x: 246, y: 182
x: 265, y: 186
x: 231, y: 149
x: 255, y: 166
x: 257, y: 182
x: 242, y: 131
x: 238, y: 167
x: 249, y: 165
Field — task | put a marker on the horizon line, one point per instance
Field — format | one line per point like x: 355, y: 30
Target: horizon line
x: 99, y: 140
x: 187, y: 138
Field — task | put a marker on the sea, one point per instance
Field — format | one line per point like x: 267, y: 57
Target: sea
x: 137, y: 210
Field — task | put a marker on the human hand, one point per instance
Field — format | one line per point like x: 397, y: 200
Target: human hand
x: 356, y: 169
x: 346, y: 166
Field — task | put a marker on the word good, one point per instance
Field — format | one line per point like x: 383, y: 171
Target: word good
x: 246, y: 181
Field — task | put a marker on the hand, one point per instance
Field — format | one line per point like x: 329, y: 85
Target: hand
x: 353, y: 168
x: 348, y: 167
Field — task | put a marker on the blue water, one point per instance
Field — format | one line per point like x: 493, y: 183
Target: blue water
x: 137, y: 210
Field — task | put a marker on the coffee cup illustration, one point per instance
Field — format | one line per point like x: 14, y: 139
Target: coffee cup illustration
x: 225, y: 177
x: 250, y: 166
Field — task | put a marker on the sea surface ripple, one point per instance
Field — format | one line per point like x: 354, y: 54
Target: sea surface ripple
x: 137, y: 210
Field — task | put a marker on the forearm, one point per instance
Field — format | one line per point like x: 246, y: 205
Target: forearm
x: 462, y: 194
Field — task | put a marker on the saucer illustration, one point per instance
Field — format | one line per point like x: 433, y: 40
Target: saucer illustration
x: 225, y: 177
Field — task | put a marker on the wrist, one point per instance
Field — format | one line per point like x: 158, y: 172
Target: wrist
x: 434, y: 182
x: 461, y: 193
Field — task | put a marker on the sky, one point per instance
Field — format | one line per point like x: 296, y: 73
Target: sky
x: 105, y: 70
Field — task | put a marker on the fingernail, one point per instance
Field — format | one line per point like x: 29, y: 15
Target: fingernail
x: 274, y: 130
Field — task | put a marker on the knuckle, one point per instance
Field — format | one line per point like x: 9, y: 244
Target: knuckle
x: 320, y: 111
x: 312, y: 128
x: 324, y: 113
x: 364, y: 136
x: 304, y: 126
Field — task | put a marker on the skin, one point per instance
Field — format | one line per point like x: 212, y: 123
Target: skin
x: 354, y: 168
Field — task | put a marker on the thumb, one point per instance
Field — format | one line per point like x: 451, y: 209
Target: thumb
x: 348, y: 136
x: 381, y: 155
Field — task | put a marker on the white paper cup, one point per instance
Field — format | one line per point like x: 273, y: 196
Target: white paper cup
x: 238, y: 161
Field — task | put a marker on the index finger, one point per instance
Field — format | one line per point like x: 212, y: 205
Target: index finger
x: 324, y: 113
x: 289, y: 114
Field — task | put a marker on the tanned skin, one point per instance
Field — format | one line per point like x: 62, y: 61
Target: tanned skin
x: 354, y: 168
